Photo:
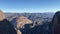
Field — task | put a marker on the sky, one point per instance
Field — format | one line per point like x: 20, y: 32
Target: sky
x: 29, y: 6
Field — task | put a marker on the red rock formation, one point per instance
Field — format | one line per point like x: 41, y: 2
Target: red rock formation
x: 2, y: 16
x: 22, y: 21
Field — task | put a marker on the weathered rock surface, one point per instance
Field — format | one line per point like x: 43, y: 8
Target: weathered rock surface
x: 2, y: 16
x: 22, y: 21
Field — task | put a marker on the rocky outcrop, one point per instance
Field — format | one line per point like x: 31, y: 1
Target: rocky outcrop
x: 56, y: 23
x: 2, y: 16
x: 22, y: 21
x: 37, y: 22
x: 19, y: 22
x: 19, y: 32
x: 5, y: 25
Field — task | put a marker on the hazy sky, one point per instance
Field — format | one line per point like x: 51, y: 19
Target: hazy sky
x: 31, y: 6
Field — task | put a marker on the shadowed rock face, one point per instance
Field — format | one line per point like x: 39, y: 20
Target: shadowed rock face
x: 56, y: 23
x: 5, y: 26
x: 2, y: 16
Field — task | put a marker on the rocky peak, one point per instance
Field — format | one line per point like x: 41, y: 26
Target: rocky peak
x: 2, y: 16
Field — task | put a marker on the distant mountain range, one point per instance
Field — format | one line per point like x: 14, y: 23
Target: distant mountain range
x: 30, y: 16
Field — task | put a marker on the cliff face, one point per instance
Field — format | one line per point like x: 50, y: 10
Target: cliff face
x: 22, y: 21
x: 5, y: 25
x: 2, y: 16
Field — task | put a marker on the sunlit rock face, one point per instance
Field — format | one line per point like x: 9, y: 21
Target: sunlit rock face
x: 2, y: 16
x: 19, y: 32
x: 22, y: 20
